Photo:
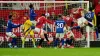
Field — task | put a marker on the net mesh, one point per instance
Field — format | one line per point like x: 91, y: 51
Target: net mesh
x: 51, y: 9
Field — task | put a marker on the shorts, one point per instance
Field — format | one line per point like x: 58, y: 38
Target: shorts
x: 69, y: 34
x: 59, y: 35
x: 40, y: 31
x: 81, y: 21
x: 10, y: 34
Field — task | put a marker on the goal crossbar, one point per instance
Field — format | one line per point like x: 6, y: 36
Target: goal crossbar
x: 44, y: 1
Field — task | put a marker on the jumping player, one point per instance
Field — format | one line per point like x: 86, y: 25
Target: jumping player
x: 27, y: 28
x: 82, y: 22
x: 69, y: 36
x: 32, y: 14
x: 39, y: 28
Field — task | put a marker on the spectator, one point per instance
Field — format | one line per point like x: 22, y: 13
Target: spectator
x: 2, y: 24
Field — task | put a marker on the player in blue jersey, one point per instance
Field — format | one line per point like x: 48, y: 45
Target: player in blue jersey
x: 9, y: 32
x: 82, y: 22
x: 90, y: 17
x: 60, y: 23
x: 32, y: 14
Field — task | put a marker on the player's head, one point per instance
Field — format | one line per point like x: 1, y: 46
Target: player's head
x: 71, y: 15
x: 26, y: 16
x: 43, y: 15
x: 90, y: 9
x: 31, y: 6
x: 63, y: 16
x: 59, y: 16
x: 11, y: 17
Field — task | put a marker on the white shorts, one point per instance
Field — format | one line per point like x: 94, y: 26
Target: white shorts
x: 81, y: 21
x: 10, y: 34
x: 40, y: 31
x: 69, y: 34
x: 34, y: 22
x: 59, y: 35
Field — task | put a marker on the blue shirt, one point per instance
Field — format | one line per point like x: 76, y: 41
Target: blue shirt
x: 32, y: 14
x: 89, y: 16
x: 10, y: 26
x: 60, y: 26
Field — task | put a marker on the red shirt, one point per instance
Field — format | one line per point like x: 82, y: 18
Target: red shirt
x: 41, y: 21
x: 78, y: 14
x: 97, y: 9
x: 68, y: 20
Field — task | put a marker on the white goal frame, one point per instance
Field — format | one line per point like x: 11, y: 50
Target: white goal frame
x: 88, y: 36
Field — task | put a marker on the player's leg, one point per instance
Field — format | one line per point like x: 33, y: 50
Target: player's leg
x: 70, y: 40
x: 40, y: 42
x: 67, y: 42
x: 46, y: 37
x: 24, y: 38
x: 67, y: 39
x: 33, y: 39
x: 10, y: 42
x: 56, y: 40
x: 13, y: 41
x: 97, y: 33
x: 41, y: 33
x: 62, y: 40
x: 82, y: 32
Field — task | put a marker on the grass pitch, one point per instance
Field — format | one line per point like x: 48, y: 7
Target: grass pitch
x: 50, y: 52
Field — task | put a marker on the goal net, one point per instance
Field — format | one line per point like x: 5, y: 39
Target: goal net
x: 51, y: 9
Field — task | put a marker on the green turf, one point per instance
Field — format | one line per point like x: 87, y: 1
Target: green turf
x: 50, y: 52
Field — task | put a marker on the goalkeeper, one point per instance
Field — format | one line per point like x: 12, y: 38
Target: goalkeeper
x: 27, y: 28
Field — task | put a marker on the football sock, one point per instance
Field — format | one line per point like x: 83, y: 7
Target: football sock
x: 97, y: 33
x: 40, y: 42
x: 62, y: 41
x: 67, y: 41
x: 14, y: 41
x: 33, y: 40
x: 55, y: 42
x: 46, y: 37
x: 23, y: 41
x: 70, y: 41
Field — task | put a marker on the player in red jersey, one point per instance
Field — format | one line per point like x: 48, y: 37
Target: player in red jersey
x: 77, y: 12
x: 67, y: 31
x: 41, y: 21
x: 68, y: 19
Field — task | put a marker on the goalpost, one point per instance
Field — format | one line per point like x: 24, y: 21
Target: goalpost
x: 56, y: 7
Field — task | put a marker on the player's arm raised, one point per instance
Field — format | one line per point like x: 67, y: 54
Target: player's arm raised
x: 49, y: 21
